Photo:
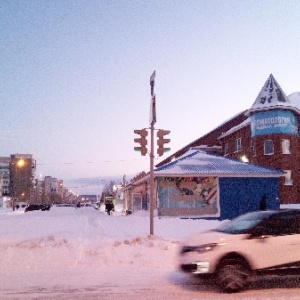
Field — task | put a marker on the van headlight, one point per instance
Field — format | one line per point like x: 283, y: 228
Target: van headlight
x: 200, y: 249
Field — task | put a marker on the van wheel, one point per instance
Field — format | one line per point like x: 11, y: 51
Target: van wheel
x: 233, y: 275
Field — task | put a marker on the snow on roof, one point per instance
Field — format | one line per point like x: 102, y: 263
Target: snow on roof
x: 295, y: 99
x: 235, y: 128
x: 271, y: 95
x: 200, y: 163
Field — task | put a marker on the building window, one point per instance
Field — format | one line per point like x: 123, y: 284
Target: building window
x: 238, y: 145
x: 288, y: 177
x: 286, y: 147
x: 253, y: 148
x: 226, y: 149
x: 269, y: 147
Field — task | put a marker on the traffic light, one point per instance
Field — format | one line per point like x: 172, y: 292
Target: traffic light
x: 142, y: 141
x: 162, y: 141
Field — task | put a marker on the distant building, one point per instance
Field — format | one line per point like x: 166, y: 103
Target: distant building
x: 18, y: 184
x: 5, y: 172
x: 1, y: 190
x: 53, y: 190
x: 22, y: 172
x: 39, y: 192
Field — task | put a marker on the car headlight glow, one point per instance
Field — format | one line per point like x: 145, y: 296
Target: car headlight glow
x: 201, y: 248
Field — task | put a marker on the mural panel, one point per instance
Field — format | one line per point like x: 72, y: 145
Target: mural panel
x: 189, y: 197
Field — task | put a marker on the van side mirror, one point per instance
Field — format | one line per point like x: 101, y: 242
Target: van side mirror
x: 257, y: 232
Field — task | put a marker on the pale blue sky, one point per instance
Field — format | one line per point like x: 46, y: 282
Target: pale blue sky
x: 75, y: 74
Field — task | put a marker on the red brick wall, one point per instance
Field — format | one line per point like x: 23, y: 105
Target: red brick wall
x: 278, y: 160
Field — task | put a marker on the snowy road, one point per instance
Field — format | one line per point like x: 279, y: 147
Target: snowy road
x: 69, y: 254
x: 122, y: 284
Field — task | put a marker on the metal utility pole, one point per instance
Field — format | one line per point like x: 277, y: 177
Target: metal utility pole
x: 152, y: 199
x: 160, y: 150
x: 152, y: 122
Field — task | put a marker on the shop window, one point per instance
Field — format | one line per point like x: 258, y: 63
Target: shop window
x: 286, y: 147
x: 268, y: 147
x: 238, y: 145
x: 288, y: 177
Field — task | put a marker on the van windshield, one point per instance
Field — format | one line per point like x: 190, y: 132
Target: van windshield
x: 244, y: 223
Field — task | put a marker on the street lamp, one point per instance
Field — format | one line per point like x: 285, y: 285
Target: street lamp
x: 21, y: 163
x: 244, y: 158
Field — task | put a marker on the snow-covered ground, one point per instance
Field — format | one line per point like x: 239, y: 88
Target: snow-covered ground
x: 69, y: 253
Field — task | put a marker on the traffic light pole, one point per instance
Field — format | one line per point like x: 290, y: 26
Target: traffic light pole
x: 152, y: 194
x: 152, y: 122
x: 160, y: 151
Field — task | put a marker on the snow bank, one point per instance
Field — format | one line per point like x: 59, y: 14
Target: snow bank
x: 65, y: 237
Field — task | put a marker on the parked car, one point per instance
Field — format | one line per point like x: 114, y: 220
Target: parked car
x: 42, y: 207
x: 45, y: 207
x: 255, y: 244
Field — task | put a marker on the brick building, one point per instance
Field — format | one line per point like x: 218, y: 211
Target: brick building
x: 5, y: 173
x: 22, y: 170
x: 266, y: 134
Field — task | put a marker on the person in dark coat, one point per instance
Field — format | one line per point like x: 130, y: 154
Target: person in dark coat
x: 109, y: 206
x: 263, y: 203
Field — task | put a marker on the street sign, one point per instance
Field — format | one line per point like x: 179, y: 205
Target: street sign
x: 152, y: 81
x: 152, y: 116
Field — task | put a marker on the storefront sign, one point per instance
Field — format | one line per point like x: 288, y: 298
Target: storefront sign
x: 274, y: 121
